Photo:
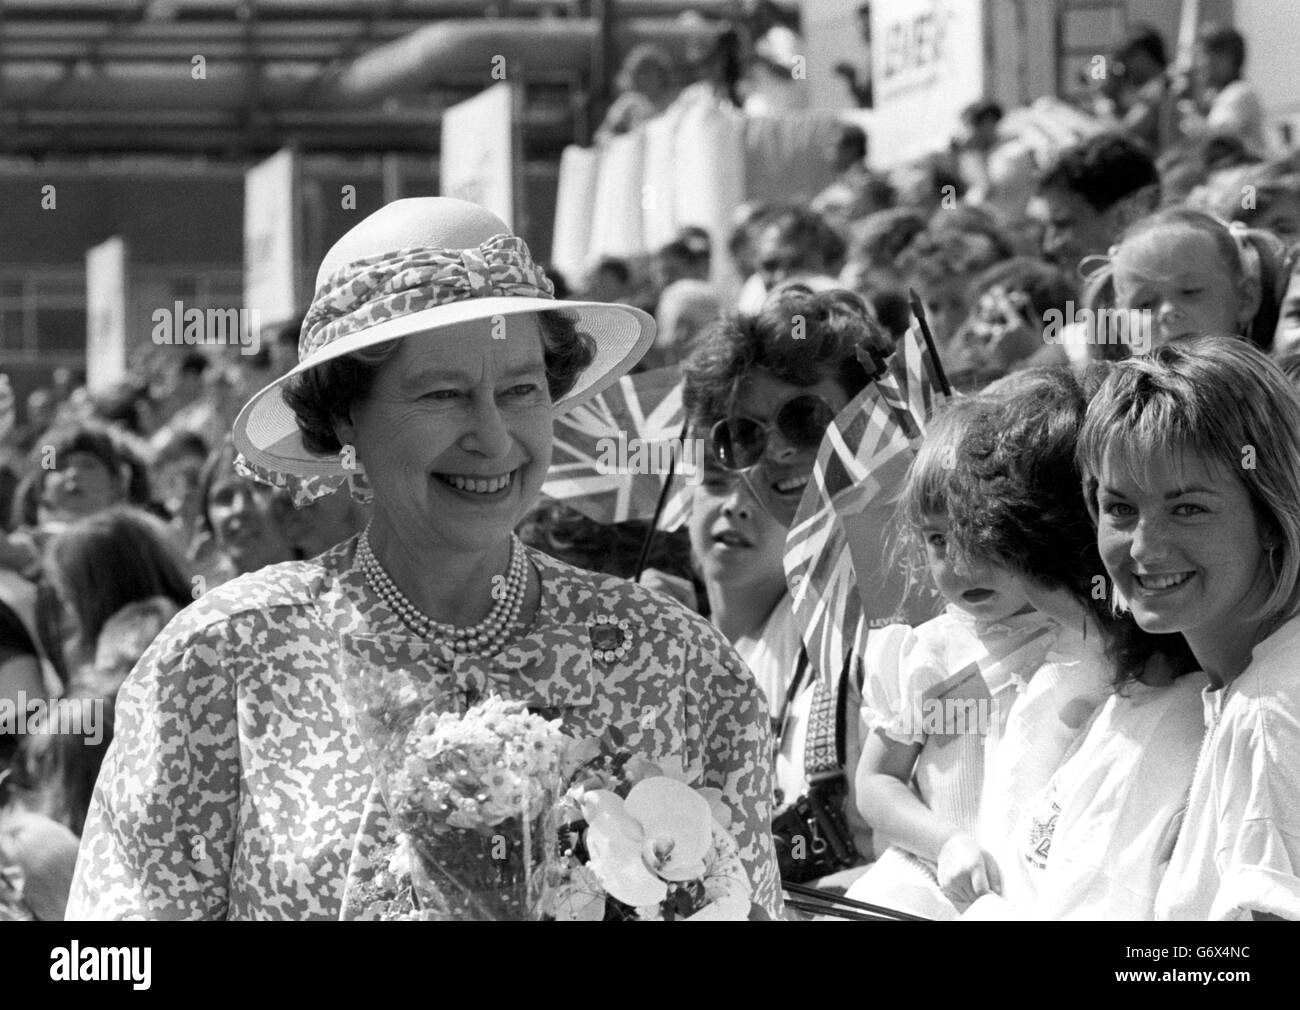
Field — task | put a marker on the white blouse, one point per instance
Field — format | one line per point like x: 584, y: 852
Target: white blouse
x: 1239, y: 848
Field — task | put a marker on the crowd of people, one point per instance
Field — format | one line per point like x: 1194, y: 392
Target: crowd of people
x: 121, y: 509
x: 1107, y: 514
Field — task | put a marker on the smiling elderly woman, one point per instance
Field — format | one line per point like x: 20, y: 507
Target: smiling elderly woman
x: 432, y: 364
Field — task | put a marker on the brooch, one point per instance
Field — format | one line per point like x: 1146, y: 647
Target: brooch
x: 610, y: 639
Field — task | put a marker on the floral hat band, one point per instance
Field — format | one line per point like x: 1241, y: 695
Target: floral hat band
x: 394, y: 284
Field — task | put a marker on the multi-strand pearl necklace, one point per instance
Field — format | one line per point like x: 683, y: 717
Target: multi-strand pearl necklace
x: 484, y: 638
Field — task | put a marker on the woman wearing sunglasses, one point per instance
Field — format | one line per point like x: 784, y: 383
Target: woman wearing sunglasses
x: 762, y: 391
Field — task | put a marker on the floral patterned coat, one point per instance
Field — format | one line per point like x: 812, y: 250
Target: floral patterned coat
x: 237, y: 786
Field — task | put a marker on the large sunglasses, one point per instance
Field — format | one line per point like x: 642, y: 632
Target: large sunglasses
x: 739, y: 442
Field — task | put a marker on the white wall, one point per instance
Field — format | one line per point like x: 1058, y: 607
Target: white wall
x: 830, y: 29
x: 1272, y: 31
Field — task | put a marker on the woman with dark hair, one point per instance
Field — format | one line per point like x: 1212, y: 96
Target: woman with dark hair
x: 761, y: 391
x: 86, y: 468
x: 245, y: 524
x: 432, y: 362
x: 1086, y: 836
x: 100, y: 564
x: 800, y: 337
x: 240, y: 521
x: 793, y: 242
x: 73, y: 471
x: 177, y: 463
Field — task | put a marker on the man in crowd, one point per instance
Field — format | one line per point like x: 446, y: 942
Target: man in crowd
x: 1231, y: 106
x: 1140, y: 82
x: 1090, y: 194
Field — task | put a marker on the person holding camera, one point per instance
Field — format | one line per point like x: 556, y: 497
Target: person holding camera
x: 762, y: 391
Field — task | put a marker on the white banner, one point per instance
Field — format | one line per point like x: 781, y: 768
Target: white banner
x: 616, y: 220
x: 105, y: 314
x: 659, y: 179
x: 710, y: 179
x: 927, y: 64
x: 271, y: 238
x: 478, y: 151
x: 571, y: 240
x: 693, y: 165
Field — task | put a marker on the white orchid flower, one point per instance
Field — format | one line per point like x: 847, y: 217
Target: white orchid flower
x: 662, y: 832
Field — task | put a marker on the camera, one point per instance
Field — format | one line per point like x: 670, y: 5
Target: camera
x: 812, y: 835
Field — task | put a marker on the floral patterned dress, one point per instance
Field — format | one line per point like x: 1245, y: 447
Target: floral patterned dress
x: 237, y: 786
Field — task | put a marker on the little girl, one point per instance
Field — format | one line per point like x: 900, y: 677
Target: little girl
x: 1092, y: 841
x: 936, y: 697
x: 1188, y: 272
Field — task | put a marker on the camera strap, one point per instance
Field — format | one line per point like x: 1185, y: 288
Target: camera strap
x: 827, y: 725
x: 782, y: 722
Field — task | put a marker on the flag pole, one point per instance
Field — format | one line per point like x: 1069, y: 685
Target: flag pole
x: 659, y: 507
x: 918, y: 310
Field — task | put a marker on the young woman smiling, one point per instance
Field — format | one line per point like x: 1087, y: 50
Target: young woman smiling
x: 1191, y: 464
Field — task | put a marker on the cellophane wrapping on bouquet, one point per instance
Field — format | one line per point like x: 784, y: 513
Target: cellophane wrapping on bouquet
x: 471, y: 790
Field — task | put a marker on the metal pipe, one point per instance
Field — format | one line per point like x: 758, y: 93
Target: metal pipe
x: 442, y: 54
x: 414, y: 61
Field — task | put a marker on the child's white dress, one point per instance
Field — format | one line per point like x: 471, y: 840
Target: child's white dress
x: 948, y: 685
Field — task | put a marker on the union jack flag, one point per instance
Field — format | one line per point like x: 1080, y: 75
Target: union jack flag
x: 915, y: 376
x: 610, y: 453
x: 838, y: 558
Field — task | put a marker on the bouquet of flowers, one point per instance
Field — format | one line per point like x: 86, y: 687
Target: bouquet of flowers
x: 471, y: 794
x: 500, y: 815
x: 636, y: 842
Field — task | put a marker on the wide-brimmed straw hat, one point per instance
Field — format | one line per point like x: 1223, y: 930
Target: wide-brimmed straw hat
x: 418, y: 266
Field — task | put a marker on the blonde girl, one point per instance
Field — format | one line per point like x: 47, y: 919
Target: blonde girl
x: 1184, y: 272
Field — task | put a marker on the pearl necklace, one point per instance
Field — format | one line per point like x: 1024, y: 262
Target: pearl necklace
x: 483, y: 638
